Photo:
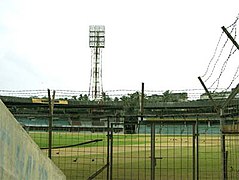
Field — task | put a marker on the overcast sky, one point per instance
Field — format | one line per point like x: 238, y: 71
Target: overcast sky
x: 165, y: 44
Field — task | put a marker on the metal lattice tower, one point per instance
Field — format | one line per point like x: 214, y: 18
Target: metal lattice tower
x: 96, y: 43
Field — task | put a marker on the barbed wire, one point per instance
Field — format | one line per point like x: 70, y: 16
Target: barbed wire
x: 217, y: 60
x: 214, y: 54
x: 217, y: 56
x: 235, y: 76
x: 223, y: 68
x: 226, y: 61
x: 75, y: 94
x: 234, y: 21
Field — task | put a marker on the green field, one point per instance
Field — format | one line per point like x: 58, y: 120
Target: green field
x: 131, y: 155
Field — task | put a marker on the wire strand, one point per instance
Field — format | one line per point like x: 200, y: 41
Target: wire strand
x: 214, y: 53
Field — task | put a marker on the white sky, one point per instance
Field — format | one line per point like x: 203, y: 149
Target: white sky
x: 165, y: 44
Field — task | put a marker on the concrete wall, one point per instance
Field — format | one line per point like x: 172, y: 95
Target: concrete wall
x: 20, y: 157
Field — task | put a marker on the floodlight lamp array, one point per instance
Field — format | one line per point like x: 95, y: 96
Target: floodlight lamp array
x: 97, y: 36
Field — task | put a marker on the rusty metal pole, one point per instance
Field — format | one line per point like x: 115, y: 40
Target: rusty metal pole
x: 153, y: 160
x: 208, y: 93
x: 142, y: 102
x: 230, y: 37
x: 108, y: 148
x: 193, y: 149
x: 223, y: 147
x: 111, y: 151
x: 197, y: 149
x: 51, y: 106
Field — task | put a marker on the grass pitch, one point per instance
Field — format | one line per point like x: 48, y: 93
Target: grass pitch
x: 176, y: 155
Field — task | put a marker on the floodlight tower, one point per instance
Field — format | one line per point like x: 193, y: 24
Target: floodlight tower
x: 96, y: 42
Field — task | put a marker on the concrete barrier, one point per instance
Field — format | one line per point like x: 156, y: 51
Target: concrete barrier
x: 20, y: 157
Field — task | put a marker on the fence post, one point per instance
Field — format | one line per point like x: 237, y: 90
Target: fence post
x: 223, y: 148
x: 197, y: 150
x: 108, y: 148
x: 194, y: 158
x: 51, y: 106
x: 142, y: 102
x: 111, y: 152
x: 153, y: 161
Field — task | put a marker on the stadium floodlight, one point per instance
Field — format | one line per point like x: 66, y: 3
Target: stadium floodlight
x: 97, y: 36
x: 96, y: 43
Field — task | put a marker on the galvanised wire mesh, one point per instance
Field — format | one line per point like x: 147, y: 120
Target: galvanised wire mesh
x: 173, y: 152
x: 82, y: 161
x: 182, y: 150
x: 209, y: 150
x: 180, y: 143
x: 78, y: 152
x: 130, y: 153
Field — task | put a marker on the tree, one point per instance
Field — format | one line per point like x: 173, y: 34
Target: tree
x: 74, y: 97
x: 116, y: 99
x: 105, y: 97
x: 83, y: 98
x: 166, y: 96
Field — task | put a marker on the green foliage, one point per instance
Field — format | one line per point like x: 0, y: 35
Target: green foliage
x: 168, y: 96
x: 132, y: 100
x: 105, y: 97
x: 83, y: 98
